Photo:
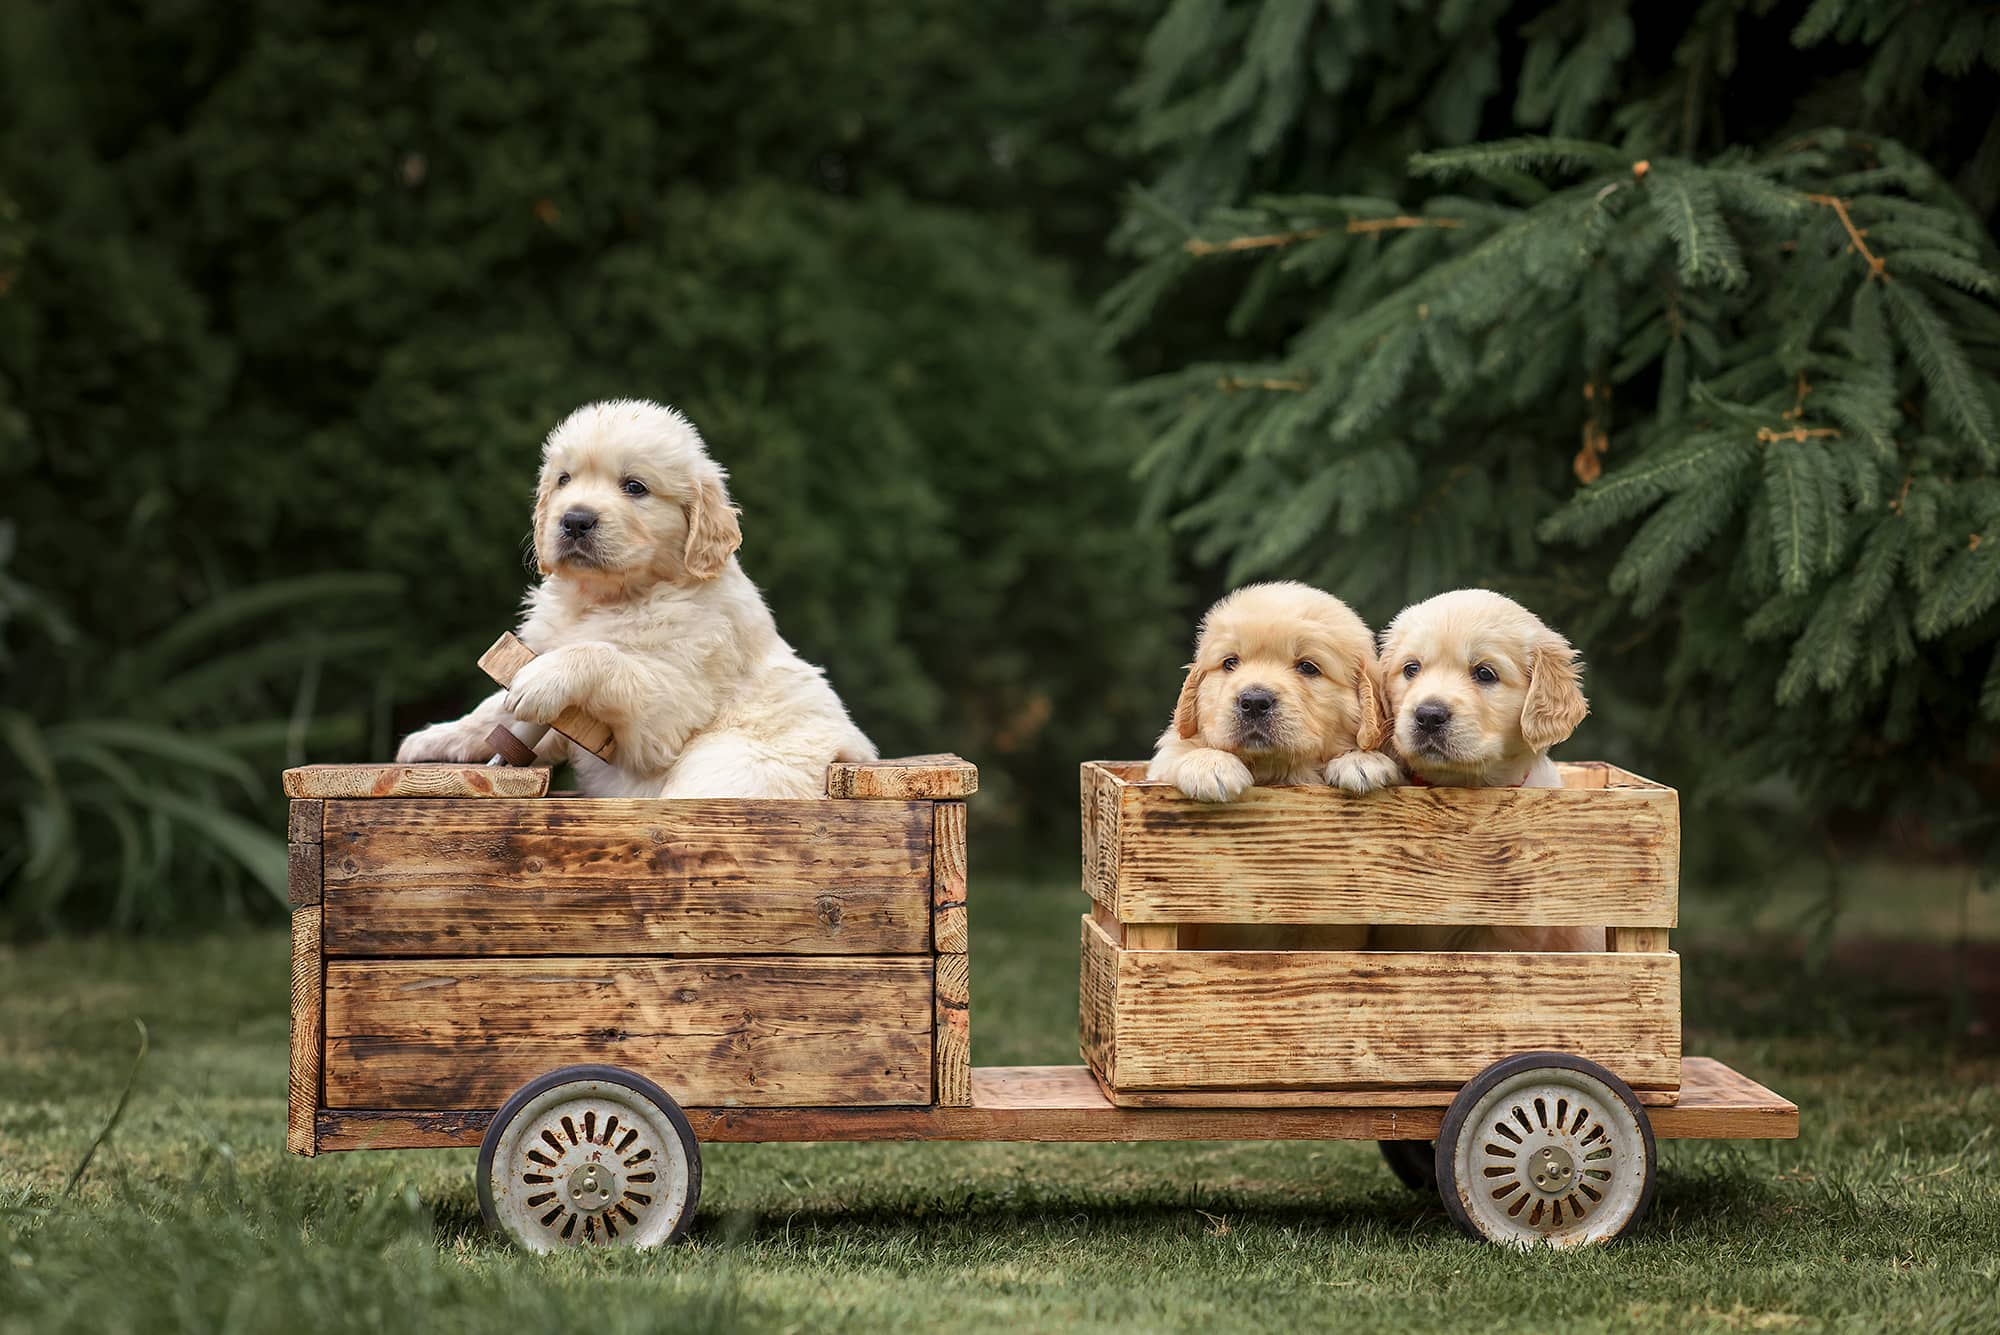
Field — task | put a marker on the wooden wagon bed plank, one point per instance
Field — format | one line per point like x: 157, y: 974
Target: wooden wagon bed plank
x: 427, y: 781
x: 1063, y: 1103
x: 442, y: 1034
x: 609, y: 877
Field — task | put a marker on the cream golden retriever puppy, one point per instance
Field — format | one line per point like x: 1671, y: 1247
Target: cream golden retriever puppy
x: 1283, y: 690
x: 1480, y: 690
x: 644, y: 619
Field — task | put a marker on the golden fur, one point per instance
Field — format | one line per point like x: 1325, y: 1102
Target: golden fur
x: 1509, y: 689
x: 645, y: 619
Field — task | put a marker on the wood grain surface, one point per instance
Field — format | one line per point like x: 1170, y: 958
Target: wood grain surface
x: 1333, y: 1020
x: 952, y: 1036
x: 606, y: 877
x: 437, y: 1034
x: 427, y: 781
x: 948, y: 878
x: 908, y: 778
x: 308, y: 1031
x: 1570, y: 856
x: 1064, y: 1103
x: 302, y: 874
x: 307, y: 815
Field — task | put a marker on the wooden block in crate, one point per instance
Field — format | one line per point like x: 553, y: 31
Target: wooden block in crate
x: 1603, y: 850
x: 726, y: 1032
x: 429, y: 781
x: 574, y: 876
x: 1267, y: 1028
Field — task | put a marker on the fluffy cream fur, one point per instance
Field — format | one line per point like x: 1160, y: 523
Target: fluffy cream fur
x: 645, y: 620
x: 1508, y: 688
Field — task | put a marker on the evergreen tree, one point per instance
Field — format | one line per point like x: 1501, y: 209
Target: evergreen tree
x: 1678, y: 323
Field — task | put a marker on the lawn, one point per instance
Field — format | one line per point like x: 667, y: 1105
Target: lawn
x: 1886, y: 1213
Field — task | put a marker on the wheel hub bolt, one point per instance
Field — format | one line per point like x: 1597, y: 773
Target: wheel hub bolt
x: 591, y: 1187
x: 1552, y: 1168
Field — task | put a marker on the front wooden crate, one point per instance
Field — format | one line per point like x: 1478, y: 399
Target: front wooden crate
x: 1164, y: 1024
x: 447, y: 949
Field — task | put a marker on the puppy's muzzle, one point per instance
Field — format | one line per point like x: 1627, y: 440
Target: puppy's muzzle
x: 1433, y: 722
x: 1256, y: 714
x: 578, y: 537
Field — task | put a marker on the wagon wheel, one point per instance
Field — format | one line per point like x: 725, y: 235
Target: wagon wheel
x: 589, y: 1156
x: 1414, y: 1162
x: 1546, y: 1147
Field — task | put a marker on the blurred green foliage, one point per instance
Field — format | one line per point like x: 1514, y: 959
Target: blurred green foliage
x: 295, y: 288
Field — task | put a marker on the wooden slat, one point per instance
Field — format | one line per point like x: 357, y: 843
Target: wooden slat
x: 948, y: 879
x: 1523, y: 857
x: 391, y: 780
x: 307, y: 815
x: 952, y: 1050
x: 308, y: 1031
x: 1335, y: 1020
x: 302, y: 874
x: 910, y: 778
x: 1097, y: 1006
x: 1630, y: 940
x: 616, y: 876
x: 1064, y: 1103
x: 1151, y: 936
x: 439, y: 1034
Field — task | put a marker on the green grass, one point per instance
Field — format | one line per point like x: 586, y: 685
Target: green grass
x: 1885, y: 1214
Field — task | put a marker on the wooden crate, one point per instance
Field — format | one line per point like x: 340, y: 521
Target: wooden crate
x: 1166, y: 1022
x: 455, y: 935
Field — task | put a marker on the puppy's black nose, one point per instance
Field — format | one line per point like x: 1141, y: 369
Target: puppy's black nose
x: 1256, y: 702
x: 576, y: 523
x: 1431, y: 716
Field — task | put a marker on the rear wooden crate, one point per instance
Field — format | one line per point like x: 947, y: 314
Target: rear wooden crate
x: 1165, y: 1025
x: 449, y: 947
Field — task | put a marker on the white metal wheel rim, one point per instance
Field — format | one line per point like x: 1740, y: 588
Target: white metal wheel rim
x: 568, y: 1128
x: 1573, y: 1115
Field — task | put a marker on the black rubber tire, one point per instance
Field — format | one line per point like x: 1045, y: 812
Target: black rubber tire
x: 1445, y: 1156
x: 562, y: 1075
x: 1414, y: 1162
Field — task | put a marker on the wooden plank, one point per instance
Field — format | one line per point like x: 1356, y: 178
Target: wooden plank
x: 307, y: 816
x: 1097, y: 1005
x: 1064, y: 1103
x: 441, y: 1034
x: 952, y: 1036
x: 1103, y: 792
x: 1422, y: 1096
x: 911, y: 778
x: 1151, y: 936
x: 948, y: 879
x: 1628, y: 940
x: 308, y: 1031
x: 1522, y: 857
x: 302, y: 874
x: 1335, y: 1020
x: 391, y: 780
x: 629, y: 876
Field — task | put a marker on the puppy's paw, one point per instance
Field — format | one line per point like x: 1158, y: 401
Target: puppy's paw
x: 1360, y: 772
x: 439, y: 742
x: 543, y: 688
x: 1212, y: 776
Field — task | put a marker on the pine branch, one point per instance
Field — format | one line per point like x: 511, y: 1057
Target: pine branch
x: 1277, y: 240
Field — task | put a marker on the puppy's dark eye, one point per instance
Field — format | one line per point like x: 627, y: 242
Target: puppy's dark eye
x: 1230, y: 663
x: 1411, y: 669
x: 634, y: 487
x: 1308, y: 668
x: 562, y: 479
x: 1485, y: 675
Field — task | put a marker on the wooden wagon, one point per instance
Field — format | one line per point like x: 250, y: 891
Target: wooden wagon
x: 589, y: 989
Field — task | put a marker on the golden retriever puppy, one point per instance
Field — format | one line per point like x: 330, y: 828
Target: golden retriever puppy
x: 644, y: 619
x: 1283, y: 690
x: 1480, y: 690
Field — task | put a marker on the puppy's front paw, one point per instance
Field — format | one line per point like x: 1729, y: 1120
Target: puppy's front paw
x: 1360, y: 772
x: 1212, y: 776
x: 439, y: 742
x: 543, y: 689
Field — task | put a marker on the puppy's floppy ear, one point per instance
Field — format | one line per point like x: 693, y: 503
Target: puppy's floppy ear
x: 544, y: 496
x: 1554, y: 704
x: 1375, y: 727
x: 1187, y: 712
x: 713, y: 531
